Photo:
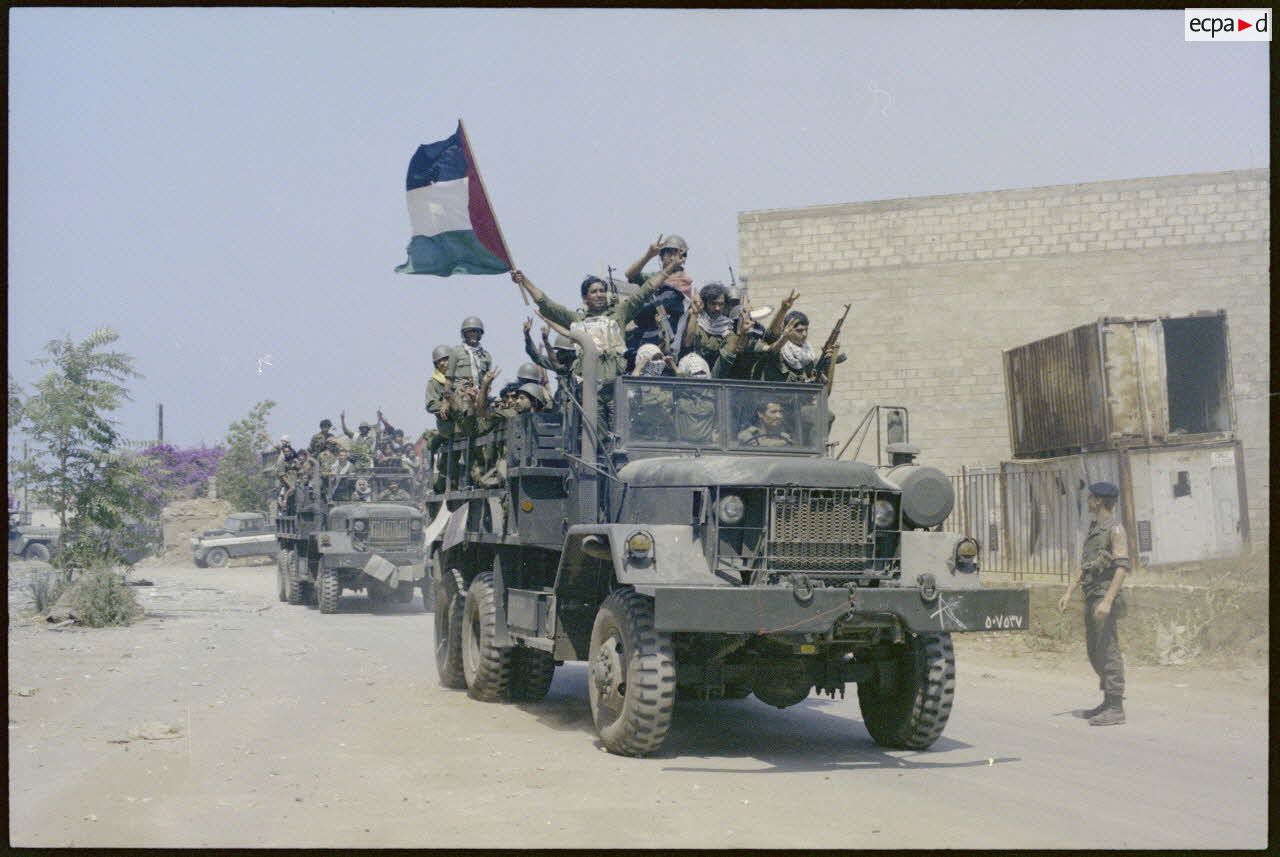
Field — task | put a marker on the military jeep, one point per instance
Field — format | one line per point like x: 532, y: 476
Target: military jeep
x: 708, y: 546
x: 241, y: 534
x: 30, y: 541
x: 353, y: 532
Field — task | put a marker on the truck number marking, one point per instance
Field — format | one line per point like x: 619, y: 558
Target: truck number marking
x: 1004, y: 622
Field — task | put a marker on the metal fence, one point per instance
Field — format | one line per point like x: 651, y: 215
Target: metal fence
x: 1027, y: 523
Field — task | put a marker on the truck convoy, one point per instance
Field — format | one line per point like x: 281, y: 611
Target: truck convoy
x: 701, y: 543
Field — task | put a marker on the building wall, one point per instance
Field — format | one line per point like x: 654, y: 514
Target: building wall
x: 939, y: 286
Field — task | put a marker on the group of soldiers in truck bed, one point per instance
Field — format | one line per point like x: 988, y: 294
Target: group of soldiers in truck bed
x: 665, y: 327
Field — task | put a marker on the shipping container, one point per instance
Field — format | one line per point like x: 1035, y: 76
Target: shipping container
x: 1121, y: 382
x: 1183, y: 503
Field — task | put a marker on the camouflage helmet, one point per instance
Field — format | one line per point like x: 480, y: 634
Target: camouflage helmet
x: 440, y: 352
x: 473, y: 322
x: 529, y: 372
x: 673, y: 242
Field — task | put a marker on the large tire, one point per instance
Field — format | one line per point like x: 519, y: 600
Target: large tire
x: 377, y: 595
x: 282, y: 584
x: 37, y: 551
x: 631, y: 676
x: 292, y: 580
x: 447, y: 634
x: 912, y: 713
x: 216, y: 557
x: 486, y: 667
x: 328, y: 588
x: 531, y: 673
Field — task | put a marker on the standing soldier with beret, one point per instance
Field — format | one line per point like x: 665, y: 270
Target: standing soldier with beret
x: 1103, y: 565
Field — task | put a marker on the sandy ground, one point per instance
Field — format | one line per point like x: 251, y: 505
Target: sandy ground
x: 226, y: 718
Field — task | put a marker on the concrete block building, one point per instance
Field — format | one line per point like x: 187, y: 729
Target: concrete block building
x: 940, y: 285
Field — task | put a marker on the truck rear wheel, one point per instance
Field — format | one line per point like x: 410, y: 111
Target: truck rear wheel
x: 487, y: 668
x: 531, y: 673
x: 631, y: 676
x: 216, y: 557
x: 37, y: 551
x: 292, y: 581
x: 403, y: 592
x: 447, y: 633
x: 328, y: 588
x: 911, y: 714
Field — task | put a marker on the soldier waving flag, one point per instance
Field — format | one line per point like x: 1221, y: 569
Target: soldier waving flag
x: 454, y: 228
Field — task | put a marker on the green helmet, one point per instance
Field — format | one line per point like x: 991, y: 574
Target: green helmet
x: 529, y: 372
x: 673, y: 242
x: 563, y: 343
x: 440, y: 352
x: 473, y: 322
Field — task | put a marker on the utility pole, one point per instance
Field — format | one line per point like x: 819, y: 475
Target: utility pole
x: 160, y: 422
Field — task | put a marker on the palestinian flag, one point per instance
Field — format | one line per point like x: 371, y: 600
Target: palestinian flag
x: 454, y: 230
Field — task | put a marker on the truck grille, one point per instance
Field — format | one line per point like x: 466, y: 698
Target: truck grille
x: 819, y: 528
x: 392, y: 533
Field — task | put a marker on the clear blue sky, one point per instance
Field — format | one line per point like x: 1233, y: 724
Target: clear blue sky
x: 219, y: 185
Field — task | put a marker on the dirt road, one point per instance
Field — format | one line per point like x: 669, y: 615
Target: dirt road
x: 229, y: 719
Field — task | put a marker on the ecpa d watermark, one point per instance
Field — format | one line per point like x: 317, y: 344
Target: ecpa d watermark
x: 1227, y: 25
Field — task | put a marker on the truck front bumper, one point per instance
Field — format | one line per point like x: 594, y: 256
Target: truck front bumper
x: 783, y: 610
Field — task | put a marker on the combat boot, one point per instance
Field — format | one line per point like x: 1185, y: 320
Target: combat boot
x: 1096, y: 710
x: 1111, y: 715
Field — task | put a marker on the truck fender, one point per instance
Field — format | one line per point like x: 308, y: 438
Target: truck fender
x: 591, y: 550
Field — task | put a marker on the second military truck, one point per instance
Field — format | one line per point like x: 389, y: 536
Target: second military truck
x: 358, y: 531
x: 703, y: 543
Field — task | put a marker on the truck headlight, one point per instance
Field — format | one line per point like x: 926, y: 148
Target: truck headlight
x: 730, y: 509
x: 359, y: 526
x: 640, y: 547
x: 883, y: 513
x: 416, y: 525
x: 967, y: 555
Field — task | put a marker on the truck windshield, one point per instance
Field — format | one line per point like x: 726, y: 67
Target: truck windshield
x: 724, y: 415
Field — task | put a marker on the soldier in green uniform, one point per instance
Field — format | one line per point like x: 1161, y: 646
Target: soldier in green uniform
x: 362, y: 442
x: 469, y: 361
x: 767, y: 429
x: 696, y: 417
x: 439, y: 404
x: 396, y: 493
x: 708, y: 325
x: 1104, y: 563
x: 320, y: 439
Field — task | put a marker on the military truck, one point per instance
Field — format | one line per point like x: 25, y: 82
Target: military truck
x: 350, y: 532
x: 31, y: 541
x: 705, y: 544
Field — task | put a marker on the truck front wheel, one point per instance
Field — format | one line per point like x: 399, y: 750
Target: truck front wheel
x: 631, y: 676
x: 36, y: 551
x: 487, y: 668
x: 912, y: 712
x: 292, y: 581
x: 328, y: 588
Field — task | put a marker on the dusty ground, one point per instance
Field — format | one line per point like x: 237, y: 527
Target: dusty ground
x: 226, y: 718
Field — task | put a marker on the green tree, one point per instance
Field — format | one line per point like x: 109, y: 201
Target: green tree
x: 242, y: 479
x: 77, y: 467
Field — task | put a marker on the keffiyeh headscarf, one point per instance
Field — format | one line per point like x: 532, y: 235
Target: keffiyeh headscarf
x: 681, y: 282
x: 693, y: 365
x: 719, y: 325
x: 799, y: 358
x: 650, y: 356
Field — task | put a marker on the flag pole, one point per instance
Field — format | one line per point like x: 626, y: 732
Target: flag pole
x: 466, y: 142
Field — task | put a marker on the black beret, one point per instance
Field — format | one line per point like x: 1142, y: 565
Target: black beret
x: 1104, y: 489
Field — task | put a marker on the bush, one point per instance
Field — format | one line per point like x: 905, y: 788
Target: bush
x: 46, y: 588
x: 100, y: 598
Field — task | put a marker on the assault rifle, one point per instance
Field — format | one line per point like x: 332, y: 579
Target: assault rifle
x: 832, y: 340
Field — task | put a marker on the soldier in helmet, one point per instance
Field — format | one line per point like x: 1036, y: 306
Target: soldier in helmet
x: 362, y: 442
x: 320, y: 439
x: 439, y: 403
x: 1104, y: 564
x: 533, y: 373
x: 469, y: 362
x: 658, y: 320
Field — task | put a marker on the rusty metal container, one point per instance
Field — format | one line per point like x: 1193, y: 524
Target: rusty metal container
x: 1121, y: 382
